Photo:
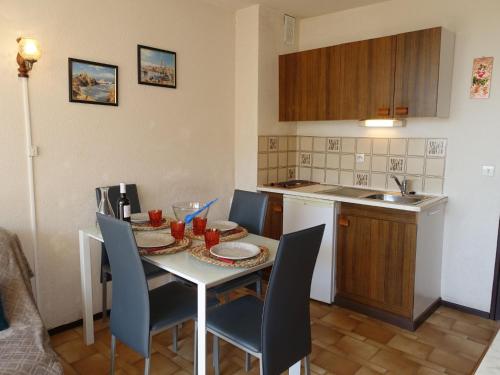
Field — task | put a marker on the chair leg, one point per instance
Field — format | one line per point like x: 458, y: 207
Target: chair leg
x: 113, y: 351
x: 195, y: 351
x: 261, y: 367
x: 174, y: 339
x: 248, y: 362
x: 258, y: 288
x: 147, y: 365
x: 215, y: 354
x: 307, y: 365
x: 104, y: 297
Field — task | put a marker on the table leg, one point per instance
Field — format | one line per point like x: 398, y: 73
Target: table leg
x: 295, y: 369
x: 86, y: 281
x: 202, y: 329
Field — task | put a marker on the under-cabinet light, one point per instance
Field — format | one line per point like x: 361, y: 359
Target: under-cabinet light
x: 382, y: 123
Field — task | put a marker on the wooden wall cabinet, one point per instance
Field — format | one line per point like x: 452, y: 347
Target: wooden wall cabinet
x: 399, y: 76
x: 377, y: 261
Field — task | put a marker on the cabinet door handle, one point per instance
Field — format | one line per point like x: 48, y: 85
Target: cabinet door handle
x: 277, y: 209
x: 343, y: 221
x: 383, y: 111
x: 401, y: 111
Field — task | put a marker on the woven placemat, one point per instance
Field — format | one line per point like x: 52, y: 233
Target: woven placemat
x: 230, y: 235
x: 200, y: 252
x: 147, y: 226
x: 176, y: 247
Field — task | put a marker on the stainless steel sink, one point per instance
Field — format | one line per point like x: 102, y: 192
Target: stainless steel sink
x: 394, y: 198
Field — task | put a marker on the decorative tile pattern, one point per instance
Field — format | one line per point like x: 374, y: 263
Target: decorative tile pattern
x: 332, y: 160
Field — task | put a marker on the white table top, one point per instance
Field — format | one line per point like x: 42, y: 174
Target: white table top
x: 490, y: 365
x: 186, y: 266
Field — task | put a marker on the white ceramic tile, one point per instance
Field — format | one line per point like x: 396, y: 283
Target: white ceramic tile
x: 305, y: 159
x: 380, y: 146
x: 397, y: 146
x: 391, y: 184
x: 262, y: 144
x: 319, y: 160
x: 282, y: 159
x: 364, y: 166
x: 436, y: 147
x: 332, y: 177
x: 361, y: 179
x: 319, y: 144
x: 262, y: 161
x: 291, y: 173
x: 272, y: 175
x: 434, y: 167
x: 415, y: 183
x: 282, y: 174
x: 348, y: 144
x: 346, y: 178
x: 318, y: 175
x: 396, y: 164
x: 262, y: 177
x: 416, y: 146
x: 304, y: 173
x: 333, y: 144
x: 272, y: 144
x: 378, y: 180
x: 306, y: 143
x: 379, y: 163
x: 293, y: 158
x: 272, y: 160
x: 333, y: 161
x: 433, y: 185
x: 364, y: 145
x: 415, y: 165
x: 347, y: 161
x: 283, y: 143
x: 292, y: 143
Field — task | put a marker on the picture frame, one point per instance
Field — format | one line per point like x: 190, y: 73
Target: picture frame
x: 156, y: 67
x: 92, y: 82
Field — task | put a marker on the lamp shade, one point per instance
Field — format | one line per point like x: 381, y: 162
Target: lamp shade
x: 29, y: 49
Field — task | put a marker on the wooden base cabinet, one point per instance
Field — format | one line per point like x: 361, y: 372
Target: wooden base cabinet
x: 377, y: 259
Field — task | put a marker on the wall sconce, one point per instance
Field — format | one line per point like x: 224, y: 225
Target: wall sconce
x: 28, y: 54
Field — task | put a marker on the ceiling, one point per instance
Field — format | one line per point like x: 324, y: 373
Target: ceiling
x: 299, y: 8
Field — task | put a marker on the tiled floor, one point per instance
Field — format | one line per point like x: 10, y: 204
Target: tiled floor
x: 344, y: 343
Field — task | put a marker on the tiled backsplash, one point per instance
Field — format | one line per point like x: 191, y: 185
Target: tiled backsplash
x: 362, y: 162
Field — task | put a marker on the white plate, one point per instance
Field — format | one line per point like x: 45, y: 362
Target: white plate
x: 235, y: 250
x: 141, y: 218
x: 222, y: 225
x: 153, y: 239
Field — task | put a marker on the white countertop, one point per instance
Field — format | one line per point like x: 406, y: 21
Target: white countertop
x: 315, y: 191
x: 490, y: 365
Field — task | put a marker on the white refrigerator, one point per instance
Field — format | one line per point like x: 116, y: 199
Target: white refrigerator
x: 301, y: 213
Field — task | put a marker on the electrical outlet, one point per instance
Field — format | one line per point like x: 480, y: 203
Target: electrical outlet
x: 360, y: 158
x: 488, y: 170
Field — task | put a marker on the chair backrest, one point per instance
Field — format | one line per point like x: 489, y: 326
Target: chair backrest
x: 114, y: 195
x: 286, y: 330
x: 130, y: 312
x: 249, y: 210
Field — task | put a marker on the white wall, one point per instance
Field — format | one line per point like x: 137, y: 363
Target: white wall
x: 472, y: 129
x: 175, y: 144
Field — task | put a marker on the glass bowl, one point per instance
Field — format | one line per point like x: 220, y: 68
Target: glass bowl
x: 181, y: 209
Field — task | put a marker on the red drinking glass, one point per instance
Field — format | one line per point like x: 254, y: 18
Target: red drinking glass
x: 199, y: 225
x: 155, y: 217
x: 177, y: 229
x: 212, y: 238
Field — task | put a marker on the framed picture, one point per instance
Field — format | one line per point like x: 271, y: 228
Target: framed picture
x: 482, y: 69
x: 156, y: 67
x: 92, y: 83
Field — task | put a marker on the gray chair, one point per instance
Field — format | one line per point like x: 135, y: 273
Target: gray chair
x: 248, y: 209
x: 277, y: 330
x: 150, y: 270
x: 139, y: 313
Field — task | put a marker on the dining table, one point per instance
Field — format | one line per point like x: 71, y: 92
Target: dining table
x: 182, y: 265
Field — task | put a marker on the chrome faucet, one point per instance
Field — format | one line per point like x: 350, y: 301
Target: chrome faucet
x: 403, y: 185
